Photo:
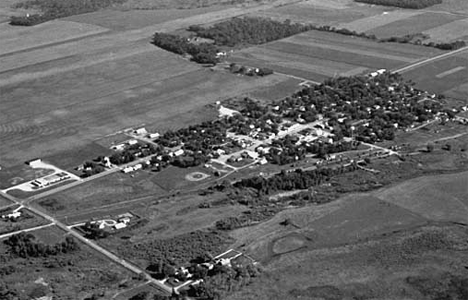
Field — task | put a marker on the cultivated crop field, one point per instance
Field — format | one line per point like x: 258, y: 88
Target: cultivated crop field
x: 447, y: 76
x: 333, y: 13
x: 414, y: 24
x: 318, y: 55
x: 120, y: 93
x: 117, y: 19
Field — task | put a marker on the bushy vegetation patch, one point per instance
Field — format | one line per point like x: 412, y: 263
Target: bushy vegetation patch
x: 25, y: 245
x: 54, y: 9
x: 178, y: 250
x: 415, y: 4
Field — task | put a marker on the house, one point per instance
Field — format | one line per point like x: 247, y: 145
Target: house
x: 12, y: 216
x: 106, y: 162
x: 118, y: 147
x: 124, y: 220
x: 137, y: 167
x: 127, y: 170
x: 154, y: 135
x: 178, y: 152
x: 34, y: 162
x: 263, y: 161
x: 132, y: 142
x: 140, y: 131
x: 118, y: 226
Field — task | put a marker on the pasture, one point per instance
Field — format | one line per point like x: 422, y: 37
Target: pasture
x: 316, y: 55
x: 447, y: 76
x: 439, y: 197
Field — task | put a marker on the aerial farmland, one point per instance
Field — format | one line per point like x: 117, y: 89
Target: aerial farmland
x: 233, y: 149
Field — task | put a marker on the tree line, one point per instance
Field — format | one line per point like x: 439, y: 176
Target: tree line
x: 415, y: 4
x: 54, y: 9
x: 296, y: 180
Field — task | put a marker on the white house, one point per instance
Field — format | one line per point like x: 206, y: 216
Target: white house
x: 132, y: 142
x: 118, y: 226
x: 140, y: 131
x: 178, y: 152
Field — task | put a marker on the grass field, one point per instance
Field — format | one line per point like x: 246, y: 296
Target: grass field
x: 317, y: 55
x: 448, y: 76
x: 107, y: 190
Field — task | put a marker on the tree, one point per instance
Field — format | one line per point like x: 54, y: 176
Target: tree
x: 140, y: 296
x: 430, y: 147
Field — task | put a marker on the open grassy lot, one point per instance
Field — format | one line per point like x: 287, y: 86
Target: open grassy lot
x: 414, y: 24
x: 19, y: 174
x: 106, y: 190
x: 4, y: 201
x: 278, y: 91
x: 74, y: 275
x: 49, y: 235
x: 317, y: 55
x: 448, y: 76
